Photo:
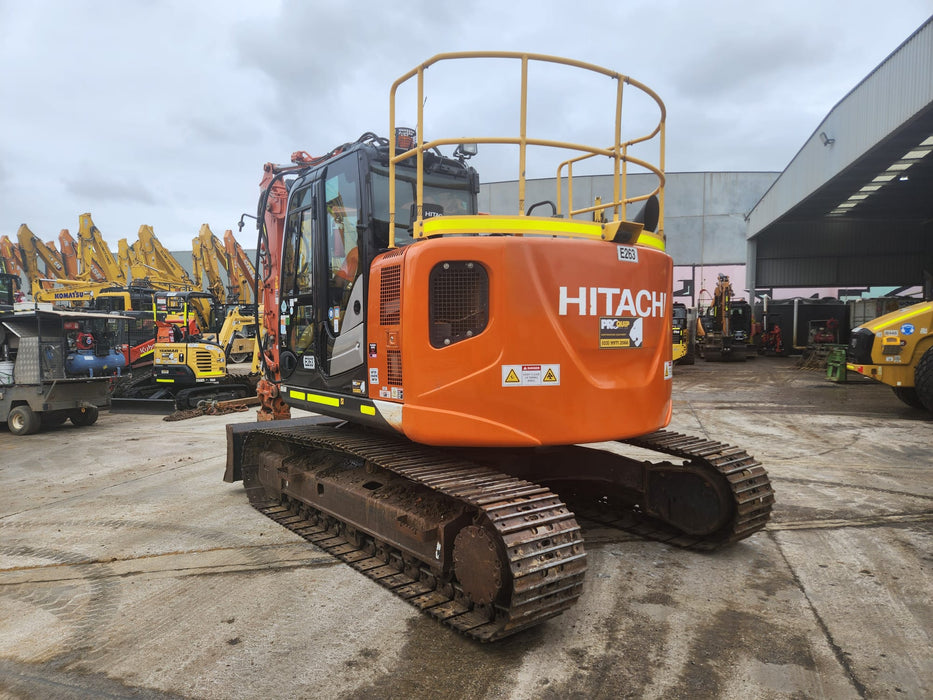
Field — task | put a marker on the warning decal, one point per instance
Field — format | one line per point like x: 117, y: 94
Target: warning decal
x: 530, y: 375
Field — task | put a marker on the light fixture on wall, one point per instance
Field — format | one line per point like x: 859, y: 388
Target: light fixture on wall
x: 826, y: 140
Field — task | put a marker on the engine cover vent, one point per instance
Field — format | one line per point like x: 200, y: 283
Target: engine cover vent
x: 390, y: 295
x: 459, y: 301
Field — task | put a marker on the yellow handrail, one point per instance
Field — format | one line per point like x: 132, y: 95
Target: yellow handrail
x: 618, y: 151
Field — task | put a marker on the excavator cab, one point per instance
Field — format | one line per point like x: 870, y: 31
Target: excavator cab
x: 337, y: 225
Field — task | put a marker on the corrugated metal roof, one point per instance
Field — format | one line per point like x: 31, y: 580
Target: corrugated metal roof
x: 887, y: 98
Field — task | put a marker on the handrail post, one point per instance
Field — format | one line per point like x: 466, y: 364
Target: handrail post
x: 522, y: 136
x: 618, y: 145
x: 661, y: 193
x: 569, y: 190
x: 419, y: 192
x: 392, y: 165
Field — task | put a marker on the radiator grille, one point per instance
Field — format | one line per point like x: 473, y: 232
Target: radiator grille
x: 202, y: 360
x: 458, y: 302
x: 390, y: 295
x: 394, y: 369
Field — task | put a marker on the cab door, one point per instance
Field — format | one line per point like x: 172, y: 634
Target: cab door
x: 322, y: 300
x: 300, y: 317
x: 344, y: 332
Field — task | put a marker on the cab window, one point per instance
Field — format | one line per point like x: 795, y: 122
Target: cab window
x: 342, y: 205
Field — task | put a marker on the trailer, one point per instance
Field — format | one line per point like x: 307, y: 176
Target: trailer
x: 57, y: 366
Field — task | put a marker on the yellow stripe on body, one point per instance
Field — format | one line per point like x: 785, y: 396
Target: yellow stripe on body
x: 323, y: 400
x: 897, y: 319
x: 529, y: 225
x: 450, y: 225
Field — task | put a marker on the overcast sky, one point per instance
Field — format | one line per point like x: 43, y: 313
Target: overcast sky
x: 163, y: 112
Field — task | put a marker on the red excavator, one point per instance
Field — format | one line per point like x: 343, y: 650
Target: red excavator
x: 457, y: 360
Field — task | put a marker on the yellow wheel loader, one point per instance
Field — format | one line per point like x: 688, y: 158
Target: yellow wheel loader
x: 897, y: 350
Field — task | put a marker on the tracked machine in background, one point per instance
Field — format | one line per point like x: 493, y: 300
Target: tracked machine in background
x: 458, y: 359
x: 684, y: 333
x: 189, y: 363
x: 724, y: 330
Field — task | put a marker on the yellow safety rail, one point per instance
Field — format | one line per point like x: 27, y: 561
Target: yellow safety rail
x: 522, y: 224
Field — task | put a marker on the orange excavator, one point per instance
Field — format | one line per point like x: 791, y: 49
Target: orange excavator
x: 458, y: 360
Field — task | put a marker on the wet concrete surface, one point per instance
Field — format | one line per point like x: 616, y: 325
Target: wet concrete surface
x: 128, y: 568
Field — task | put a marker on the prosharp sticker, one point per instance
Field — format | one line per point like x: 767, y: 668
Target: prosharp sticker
x: 621, y: 332
x: 530, y: 375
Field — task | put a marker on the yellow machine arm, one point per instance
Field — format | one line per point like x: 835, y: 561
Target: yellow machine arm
x: 97, y: 262
x: 33, y: 251
x: 151, y: 253
x: 240, y: 270
x: 207, y: 251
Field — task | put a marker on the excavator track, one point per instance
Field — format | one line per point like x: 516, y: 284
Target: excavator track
x: 525, y: 560
x: 544, y: 562
x: 749, y: 487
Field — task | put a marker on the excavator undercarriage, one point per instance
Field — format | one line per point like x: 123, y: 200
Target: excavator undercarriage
x: 463, y: 536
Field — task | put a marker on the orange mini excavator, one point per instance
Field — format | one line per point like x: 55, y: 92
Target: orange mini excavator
x: 457, y: 361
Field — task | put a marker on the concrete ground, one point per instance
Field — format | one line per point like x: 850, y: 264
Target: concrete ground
x: 128, y: 568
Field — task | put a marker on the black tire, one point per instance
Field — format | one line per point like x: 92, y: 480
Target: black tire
x: 923, y: 380
x: 23, y: 421
x: 908, y: 395
x: 691, y: 355
x: 85, y: 416
x: 53, y: 419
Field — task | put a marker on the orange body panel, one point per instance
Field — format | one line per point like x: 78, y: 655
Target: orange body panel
x: 552, y: 301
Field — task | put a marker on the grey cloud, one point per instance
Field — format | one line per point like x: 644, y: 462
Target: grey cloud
x: 95, y: 186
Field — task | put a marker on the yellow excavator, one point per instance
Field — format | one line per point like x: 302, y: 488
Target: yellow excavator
x: 684, y: 334
x: 189, y: 363
x: 237, y: 333
x: 897, y: 349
